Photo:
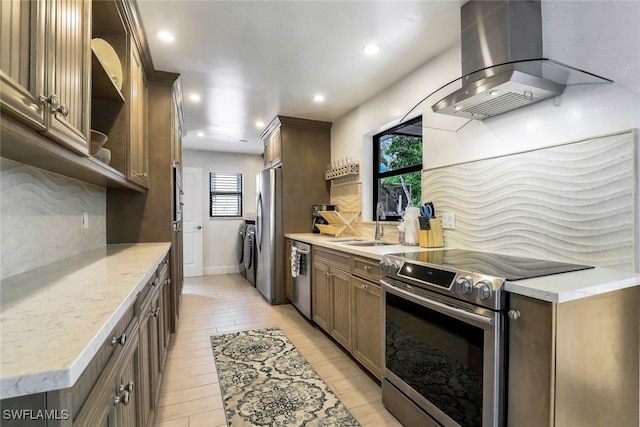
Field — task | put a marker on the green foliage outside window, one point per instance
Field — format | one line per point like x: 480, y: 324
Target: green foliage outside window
x: 399, y: 152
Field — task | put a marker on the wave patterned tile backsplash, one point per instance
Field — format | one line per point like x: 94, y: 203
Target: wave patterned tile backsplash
x: 575, y: 202
x: 41, y: 217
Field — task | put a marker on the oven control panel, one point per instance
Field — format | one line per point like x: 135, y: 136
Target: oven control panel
x: 464, y: 285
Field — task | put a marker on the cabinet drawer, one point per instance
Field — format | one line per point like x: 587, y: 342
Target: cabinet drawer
x: 367, y: 268
x: 146, y: 293
x: 334, y: 258
x: 108, y: 352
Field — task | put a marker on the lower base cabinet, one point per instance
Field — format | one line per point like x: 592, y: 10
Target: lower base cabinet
x: 366, y: 335
x: 121, y: 385
x: 347, y: 304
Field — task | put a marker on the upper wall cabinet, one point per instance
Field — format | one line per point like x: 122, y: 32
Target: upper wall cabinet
x: 44, y: 56
x: 118, y: 103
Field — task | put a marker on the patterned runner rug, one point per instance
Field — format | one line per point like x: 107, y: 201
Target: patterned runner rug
x: 265, y: 381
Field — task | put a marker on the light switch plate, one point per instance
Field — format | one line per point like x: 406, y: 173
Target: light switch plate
x: 448, y: 220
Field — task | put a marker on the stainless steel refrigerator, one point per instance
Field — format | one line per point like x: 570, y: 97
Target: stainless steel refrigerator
x: 269, y: 235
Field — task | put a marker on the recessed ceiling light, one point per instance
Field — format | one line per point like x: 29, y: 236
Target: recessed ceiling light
x: 371, y: 49
x: 194, y: 97
x: 259, y: 124
x: 166, y: 36
x: 318, y: 98
x: 200, y: 134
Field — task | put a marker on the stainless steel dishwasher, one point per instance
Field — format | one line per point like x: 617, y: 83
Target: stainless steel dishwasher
x: 301, y: 277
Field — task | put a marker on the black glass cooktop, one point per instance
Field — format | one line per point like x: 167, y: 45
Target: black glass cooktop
x: 503, y: 266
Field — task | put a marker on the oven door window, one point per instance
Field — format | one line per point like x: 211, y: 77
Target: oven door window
x: 438, y: 356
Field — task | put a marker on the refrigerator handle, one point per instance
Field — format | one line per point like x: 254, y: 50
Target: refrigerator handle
x: 259, y: 222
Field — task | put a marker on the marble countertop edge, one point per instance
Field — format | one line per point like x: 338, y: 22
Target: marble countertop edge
x: 571, y: 286
x: 60, y: 377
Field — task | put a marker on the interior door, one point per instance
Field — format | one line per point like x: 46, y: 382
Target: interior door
x: 192, y: 222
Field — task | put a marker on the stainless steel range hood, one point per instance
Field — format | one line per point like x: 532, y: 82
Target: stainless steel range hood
x: 502, y: 64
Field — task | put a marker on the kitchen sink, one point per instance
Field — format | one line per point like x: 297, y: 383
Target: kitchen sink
x: 367, y: 243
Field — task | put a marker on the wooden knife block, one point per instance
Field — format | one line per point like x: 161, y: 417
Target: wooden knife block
x: 432, y: 238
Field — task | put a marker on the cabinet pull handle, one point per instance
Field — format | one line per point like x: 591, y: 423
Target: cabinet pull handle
x: 124, y: 399
x: 514, y: 314
x: 121, y: 340
x: 155, y: 312
x: 364, y: 286
x: 140, y: 174
x: 367, y: 268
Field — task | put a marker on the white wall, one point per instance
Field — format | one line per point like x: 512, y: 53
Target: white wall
x: 220, y: 235
x: 602, y: 37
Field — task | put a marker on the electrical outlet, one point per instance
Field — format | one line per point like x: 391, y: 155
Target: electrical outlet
x: 85, y: 220
x: 448, y: 220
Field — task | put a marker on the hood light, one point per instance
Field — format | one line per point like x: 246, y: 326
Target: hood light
x: 457, y: 107
x: 493, y: 92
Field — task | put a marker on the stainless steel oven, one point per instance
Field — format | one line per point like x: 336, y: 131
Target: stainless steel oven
x: 444, y: 334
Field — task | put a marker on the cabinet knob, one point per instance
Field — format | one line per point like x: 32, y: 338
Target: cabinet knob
x: 364, y: 286
x: 120, y: 340
x: 126, y: 387
x: 514, y: 314
x: 124, y: 399
x: 155, y: 312
x: 54, y: 104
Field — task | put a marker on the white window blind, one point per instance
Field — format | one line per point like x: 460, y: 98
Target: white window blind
x: 226, y: 194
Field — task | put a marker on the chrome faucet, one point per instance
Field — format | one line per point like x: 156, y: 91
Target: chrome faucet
x: 379, y: 216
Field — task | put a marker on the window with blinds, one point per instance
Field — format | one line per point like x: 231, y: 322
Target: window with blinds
x: 225, y: 198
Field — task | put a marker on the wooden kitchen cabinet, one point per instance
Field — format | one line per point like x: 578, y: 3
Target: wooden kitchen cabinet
x: 321, y: 300
x: 138, y: 168
x: 153, y: 345
x: 120, y: 385
x: 574, y: 363
x: 347, y: 303
x: 332, y: 294
x: 45, y: 55
x: 366, y: 336
x: 273, y: 149
x: 341, y: 314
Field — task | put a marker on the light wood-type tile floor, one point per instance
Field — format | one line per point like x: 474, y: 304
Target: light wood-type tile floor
x: 190, y: 394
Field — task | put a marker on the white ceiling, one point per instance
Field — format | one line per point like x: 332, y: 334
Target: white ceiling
x: 253, y: 60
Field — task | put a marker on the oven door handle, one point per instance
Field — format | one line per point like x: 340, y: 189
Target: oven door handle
x: 436, y: 305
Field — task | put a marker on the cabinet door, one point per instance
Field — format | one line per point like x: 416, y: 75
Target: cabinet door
x: 67, y: 88
x: 341, y: 307
x: 126, y: 400
x: 531, y: 380
x: 138, y: 142
x: 367, y: 329
x: 144, y: 382
x: 22, y: 49
x: 321, y: 295
x: 156, y: 343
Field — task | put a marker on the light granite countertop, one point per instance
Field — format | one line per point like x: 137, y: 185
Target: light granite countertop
x: 557, y: 288
x: 54, y: 319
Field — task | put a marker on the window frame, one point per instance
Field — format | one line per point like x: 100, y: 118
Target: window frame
x: 239, y: 193
x: 377, y: 175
